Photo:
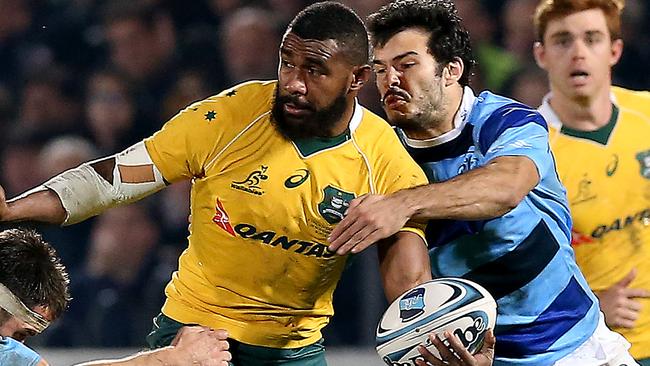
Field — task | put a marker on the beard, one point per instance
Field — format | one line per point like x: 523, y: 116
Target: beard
x: 426, y: 111
x: 316, y: 123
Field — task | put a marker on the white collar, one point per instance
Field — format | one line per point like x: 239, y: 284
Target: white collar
x: 460, y: 120
x: 357, y: 115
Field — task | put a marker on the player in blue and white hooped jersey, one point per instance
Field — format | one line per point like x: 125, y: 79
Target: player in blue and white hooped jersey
x: 498, y: 212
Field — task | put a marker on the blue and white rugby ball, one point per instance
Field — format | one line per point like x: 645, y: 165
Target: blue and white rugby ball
x: 459, y: 306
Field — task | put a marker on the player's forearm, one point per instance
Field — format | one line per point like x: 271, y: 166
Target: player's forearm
x: 404, y: 263
x: 483, y: 193
x: 42, y: 206
x: 161, y: 357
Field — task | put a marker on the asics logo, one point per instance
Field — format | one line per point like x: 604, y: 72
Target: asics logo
x: 297, y: 179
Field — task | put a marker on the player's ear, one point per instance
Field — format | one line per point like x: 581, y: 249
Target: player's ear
x: 617, y: 51
x: 360, y: 77
x: 453, y: 71
x: 540, y: 54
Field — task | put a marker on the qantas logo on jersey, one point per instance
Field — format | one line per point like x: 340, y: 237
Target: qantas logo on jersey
x: 621, y: 223
x: 272, y: 238
x: 334, y: 204
x: 644, y: 159
x: 222, y: 219
x: 252, y: 182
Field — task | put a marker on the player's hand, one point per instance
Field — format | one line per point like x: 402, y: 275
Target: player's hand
x: 618, y: 302
x: 201, y: 346
x: 457, y: 354
x: 369, y: 219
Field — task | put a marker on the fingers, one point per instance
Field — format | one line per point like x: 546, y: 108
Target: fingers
x: 459, y: 349
x: 446, y: 353
x: 490, y: 340
x: 636, y: 293
x: 342, y: 232
x: 429, y: 358
x: 355, y: 233
x: 629, y: 277
x: 221, y: 334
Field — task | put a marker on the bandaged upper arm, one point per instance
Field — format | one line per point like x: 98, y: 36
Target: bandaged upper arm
x: 93, y: 187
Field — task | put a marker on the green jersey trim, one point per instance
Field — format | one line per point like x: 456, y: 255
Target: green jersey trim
x: 600, y: 135
x: 313, y: 145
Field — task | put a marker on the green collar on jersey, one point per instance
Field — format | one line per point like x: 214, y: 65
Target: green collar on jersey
x: 316, y: 144
x: 600, y: 135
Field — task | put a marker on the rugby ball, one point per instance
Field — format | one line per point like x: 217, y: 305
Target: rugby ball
x: 459, y: 306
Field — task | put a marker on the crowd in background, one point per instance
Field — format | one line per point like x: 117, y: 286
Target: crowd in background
x: 81, y: 79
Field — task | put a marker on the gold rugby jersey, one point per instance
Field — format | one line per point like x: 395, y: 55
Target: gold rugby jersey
x: 262, y: 209
x: 607, y: 177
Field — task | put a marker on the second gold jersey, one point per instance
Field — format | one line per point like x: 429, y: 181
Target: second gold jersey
x: 607, y: 177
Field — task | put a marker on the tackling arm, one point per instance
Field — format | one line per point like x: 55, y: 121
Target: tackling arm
x: 482, y: 193
x: 87, y: 190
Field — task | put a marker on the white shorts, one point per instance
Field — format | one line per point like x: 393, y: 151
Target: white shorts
x: 604, y: 348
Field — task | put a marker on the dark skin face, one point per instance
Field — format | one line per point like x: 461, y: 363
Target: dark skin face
x: 316, y: 88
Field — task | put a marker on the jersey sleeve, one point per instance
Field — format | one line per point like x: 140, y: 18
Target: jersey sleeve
x: 182, y: 147
x: 516, y: 130
x: 15, y: 353
x: 195, y: 136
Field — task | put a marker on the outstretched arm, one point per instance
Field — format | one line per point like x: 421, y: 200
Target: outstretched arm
x: 87, y: 190
x: 482, y: 193
x: 195, y: 345
x: 42, y: 205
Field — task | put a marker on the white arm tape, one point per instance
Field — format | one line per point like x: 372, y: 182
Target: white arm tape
x: 84, y: 193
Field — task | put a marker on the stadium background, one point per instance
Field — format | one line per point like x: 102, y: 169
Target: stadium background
x: 81, y: 79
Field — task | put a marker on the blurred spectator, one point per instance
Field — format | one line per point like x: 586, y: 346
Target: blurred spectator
x: 114, y: 296
x: 191, y: 86
x: 64, y: 153
x: 15, y: 23
x: 494, y: 64
x: 518, y: 30
x: 111, y: 112
x: 631, y: 70
x: 142, y: 44
x: 19, y: 153
x: 50, y: 103
x: 257, y: 56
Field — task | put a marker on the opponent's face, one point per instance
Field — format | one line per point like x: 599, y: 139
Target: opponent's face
x: 408, y: 79
x: 18, y: 329
x: 314, y: 81
x: 578, y: 54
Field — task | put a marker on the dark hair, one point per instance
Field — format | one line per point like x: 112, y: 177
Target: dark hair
x: 332, y: 20
x: 448, y: 38
x: 31, y: 270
